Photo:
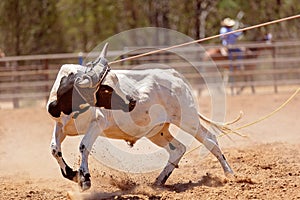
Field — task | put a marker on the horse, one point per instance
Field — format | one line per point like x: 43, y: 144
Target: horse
x: 230, y: 69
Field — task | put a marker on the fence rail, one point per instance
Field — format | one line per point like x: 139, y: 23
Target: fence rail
x: 276, y: 64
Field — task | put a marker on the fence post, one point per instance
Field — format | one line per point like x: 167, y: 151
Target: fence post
x: 15, y: 100
x: 46, y: 67
x: 274, y: 67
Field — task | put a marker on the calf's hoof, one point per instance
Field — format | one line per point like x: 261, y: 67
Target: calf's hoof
x: 84, y: 181
x: 85, y: 185
x: 70, y: 174
x: 229, y: 174
x: 159, y: 183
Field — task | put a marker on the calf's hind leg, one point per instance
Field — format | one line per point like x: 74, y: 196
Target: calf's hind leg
x: 175, y: 149
x: 210, y: 142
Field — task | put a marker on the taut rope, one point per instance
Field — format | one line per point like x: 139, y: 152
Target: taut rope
x: 205, y: 39
x: 223, y: 127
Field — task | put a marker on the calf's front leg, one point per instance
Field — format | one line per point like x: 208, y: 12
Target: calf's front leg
x: 85, y: 148
x: 57, y: 138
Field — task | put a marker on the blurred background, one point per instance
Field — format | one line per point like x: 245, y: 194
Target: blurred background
x: 60, y: 26
x: 37, y: 37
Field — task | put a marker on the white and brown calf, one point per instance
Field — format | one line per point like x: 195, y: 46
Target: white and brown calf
x: 130, y: 104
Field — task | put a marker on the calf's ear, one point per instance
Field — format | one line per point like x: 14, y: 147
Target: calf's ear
x: 54, y: 109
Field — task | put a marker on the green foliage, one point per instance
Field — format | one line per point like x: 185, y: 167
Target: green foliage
x: 30, y: 27
x: 52, y: 26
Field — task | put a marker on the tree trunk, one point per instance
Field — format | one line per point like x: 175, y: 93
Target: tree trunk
x: 83, y: 29
x: 197, y: 19
x: 17, y: 28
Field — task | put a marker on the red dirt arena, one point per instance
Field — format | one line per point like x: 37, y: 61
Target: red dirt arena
x: 266, y: 165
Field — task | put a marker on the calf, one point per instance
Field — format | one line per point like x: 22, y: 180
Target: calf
x: 125, y: 105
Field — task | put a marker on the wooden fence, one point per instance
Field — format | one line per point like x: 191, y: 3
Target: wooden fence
x: 276, y: 64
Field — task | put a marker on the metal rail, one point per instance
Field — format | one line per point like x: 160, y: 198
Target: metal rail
x: 31, y: 77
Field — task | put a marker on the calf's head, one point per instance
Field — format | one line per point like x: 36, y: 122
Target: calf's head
x: 68, y: 99
x: 108, y: 95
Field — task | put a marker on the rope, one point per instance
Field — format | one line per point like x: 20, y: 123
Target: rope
x: 225, y: 130
x: 272, y: 113
x: 205, y: 39
x: 223, y: 127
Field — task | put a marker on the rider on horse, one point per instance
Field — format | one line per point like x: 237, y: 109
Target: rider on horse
x: 228, y: 25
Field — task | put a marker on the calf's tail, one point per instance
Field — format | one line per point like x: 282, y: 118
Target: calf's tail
x: 223, y: 127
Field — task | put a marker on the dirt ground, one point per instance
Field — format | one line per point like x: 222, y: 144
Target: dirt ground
x: 266, y: 165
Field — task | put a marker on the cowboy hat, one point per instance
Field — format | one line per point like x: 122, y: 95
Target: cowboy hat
x: 228, y: 22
